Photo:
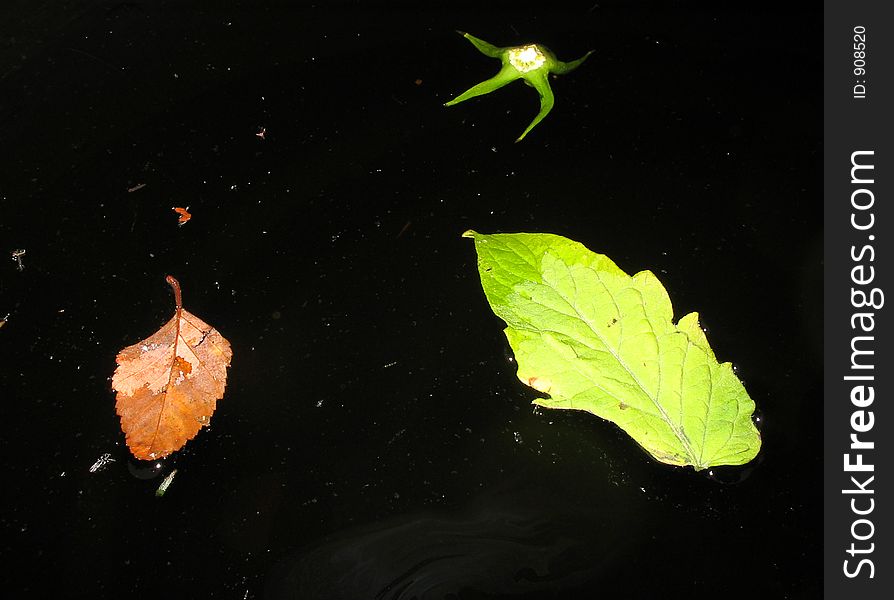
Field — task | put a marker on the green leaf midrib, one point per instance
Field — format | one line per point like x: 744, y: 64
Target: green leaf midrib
x: 662, y: 413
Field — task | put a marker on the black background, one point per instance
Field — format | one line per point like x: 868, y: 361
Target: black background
x: 373, y: 440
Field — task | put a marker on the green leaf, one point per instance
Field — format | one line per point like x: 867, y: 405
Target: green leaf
x: 593, y: 338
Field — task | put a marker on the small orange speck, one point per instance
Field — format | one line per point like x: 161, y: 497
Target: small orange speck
x: 184, y: 365
x: 184, y: 214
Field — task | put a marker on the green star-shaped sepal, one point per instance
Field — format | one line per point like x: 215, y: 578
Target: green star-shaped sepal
x: 531, y: 63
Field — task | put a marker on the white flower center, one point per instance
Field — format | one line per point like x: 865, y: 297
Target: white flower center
x: 526, y: 58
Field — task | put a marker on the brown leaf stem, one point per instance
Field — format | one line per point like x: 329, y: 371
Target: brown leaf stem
x: 175, y: 285
x: 178, y: 302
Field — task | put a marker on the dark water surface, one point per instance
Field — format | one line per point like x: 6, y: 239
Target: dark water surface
x: 373, y: 441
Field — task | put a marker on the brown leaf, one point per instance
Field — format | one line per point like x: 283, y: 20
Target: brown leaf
x: 168, y: 385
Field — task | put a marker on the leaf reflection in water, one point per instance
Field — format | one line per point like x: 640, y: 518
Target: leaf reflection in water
x: 508, y: 545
